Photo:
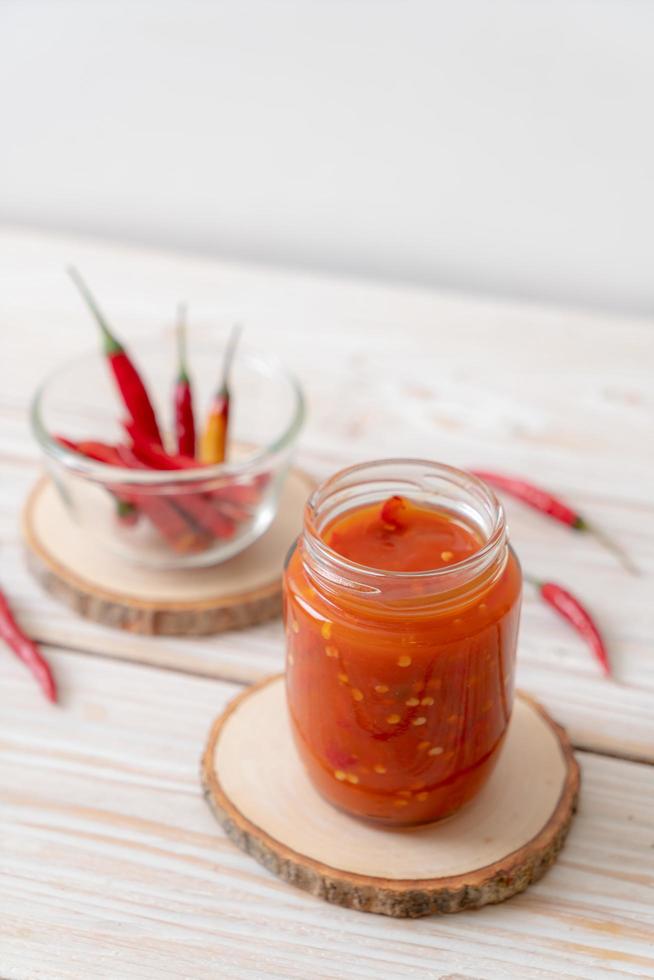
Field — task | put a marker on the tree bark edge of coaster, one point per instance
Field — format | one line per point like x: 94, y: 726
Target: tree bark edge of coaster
x: 398, y: 897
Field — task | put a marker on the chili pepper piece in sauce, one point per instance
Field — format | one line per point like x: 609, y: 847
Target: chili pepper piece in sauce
x: 128, y: 380
x: 26, y: 650
x: 184, y: 416
x: 572, y: 610
x: 429, y: 538
x: 393, y: 513
x: 545, y: 502
x: 213, y: 445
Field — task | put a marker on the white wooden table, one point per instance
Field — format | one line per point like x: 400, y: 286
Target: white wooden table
x: 110, y: 862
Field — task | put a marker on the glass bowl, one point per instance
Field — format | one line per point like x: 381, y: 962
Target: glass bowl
x: 181, y: 518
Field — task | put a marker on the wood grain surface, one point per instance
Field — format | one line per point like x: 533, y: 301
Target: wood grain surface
x: 108, y: 589
x: 111, y: 864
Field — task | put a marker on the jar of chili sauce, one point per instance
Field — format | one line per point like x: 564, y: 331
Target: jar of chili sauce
x: 401, y: 608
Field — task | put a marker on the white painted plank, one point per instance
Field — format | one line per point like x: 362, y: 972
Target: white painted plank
x: 112, y: 865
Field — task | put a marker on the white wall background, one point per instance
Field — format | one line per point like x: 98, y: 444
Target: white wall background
x: 492, y: 145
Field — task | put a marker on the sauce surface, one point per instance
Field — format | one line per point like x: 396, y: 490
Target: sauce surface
x: 399, y: 717
x: 401, y: 536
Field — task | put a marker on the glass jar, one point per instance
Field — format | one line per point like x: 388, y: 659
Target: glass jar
x: 400, y: 684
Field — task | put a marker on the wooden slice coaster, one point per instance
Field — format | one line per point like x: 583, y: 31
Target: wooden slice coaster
x: 111, y: 590
x: 493, y: 848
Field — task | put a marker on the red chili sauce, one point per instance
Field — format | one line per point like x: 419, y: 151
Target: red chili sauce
x: 399, y: 707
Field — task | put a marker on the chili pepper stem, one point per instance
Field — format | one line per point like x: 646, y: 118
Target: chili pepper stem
x: 229, y: 356
x: 181, y: 344
x: 545, y: 502
x: 183, y: 392
x: 581, y: 524
x: 111, y: 344
x: 125, y: 373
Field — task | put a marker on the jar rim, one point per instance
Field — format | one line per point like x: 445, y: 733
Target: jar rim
x: 464, y: 480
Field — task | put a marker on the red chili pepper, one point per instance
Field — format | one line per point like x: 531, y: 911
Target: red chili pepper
x: 206, y: 516
x: 236, y: 512
x: 203, y: 514
x: 126, y: 511
x: 154, y: 455
x: 166, y: 512
x: 571, y: 609
x: 177, y: 528
x: 213, y: 445
x: 26, y: 650
x: 184, y: 418
x: 548, y: 504
x: 129, y: 382
x: 196, y: 504
x: 237, y: 495
x: 103, y: 452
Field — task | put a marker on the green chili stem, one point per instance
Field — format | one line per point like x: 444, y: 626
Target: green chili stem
x: 181, y: 343
x: 609, y: 543
x: 111, y: 344
x: 230, y: 350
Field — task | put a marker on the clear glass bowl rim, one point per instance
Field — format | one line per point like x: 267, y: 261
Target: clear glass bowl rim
x: 104, y: 473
